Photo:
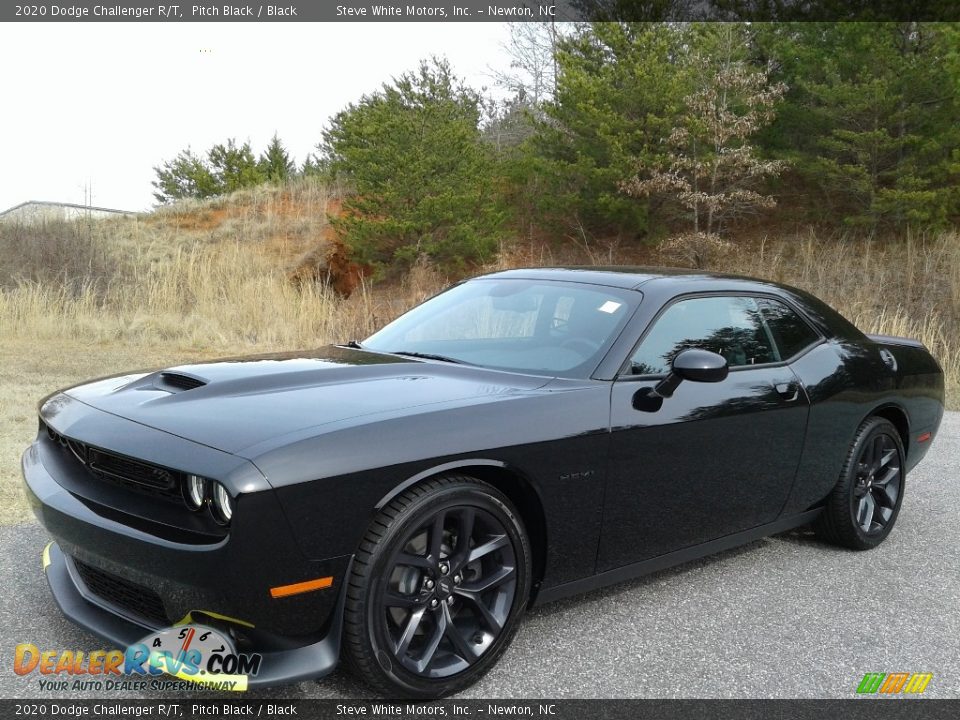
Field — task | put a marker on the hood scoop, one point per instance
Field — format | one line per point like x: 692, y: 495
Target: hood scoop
x: 178, y: 382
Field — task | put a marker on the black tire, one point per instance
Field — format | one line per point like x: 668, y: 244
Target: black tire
x: 424, y: 624
x: 864, y: 505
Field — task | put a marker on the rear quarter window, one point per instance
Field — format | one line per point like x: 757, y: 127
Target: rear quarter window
x: 790, y: 332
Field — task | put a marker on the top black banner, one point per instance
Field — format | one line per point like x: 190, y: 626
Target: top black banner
x: 486, y: 11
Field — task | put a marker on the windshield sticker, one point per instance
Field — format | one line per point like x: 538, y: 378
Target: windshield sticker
x: 609, y: 307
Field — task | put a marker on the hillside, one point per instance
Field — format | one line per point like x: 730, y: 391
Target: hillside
x: 263, y: 267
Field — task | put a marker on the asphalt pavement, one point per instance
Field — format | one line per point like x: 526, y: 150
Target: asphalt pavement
x: 786, y: 616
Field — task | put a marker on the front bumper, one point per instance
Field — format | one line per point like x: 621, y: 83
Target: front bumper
x: 83, y: 608
x: 224, y: 583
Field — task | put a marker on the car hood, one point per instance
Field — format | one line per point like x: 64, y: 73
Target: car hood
x: 235, y: 403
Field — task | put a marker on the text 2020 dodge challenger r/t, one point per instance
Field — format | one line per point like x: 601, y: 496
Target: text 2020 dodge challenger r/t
x: 519, y: 437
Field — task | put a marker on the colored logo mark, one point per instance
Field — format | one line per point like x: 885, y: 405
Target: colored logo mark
x: 894, y: 683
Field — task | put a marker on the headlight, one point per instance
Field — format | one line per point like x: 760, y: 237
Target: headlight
x: 222, y: 505
x: 195, y: 491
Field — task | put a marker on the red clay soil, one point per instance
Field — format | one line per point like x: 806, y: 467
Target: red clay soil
x: 330, y: 261
x: 322, y: 258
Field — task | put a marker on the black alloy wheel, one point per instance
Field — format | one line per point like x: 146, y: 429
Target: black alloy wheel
x: 861, y: 510
x: 437, y: 588
x: 876, y: 491
x: 449, y: 592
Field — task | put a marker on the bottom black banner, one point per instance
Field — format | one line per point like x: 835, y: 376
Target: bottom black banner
x: 854, y: 709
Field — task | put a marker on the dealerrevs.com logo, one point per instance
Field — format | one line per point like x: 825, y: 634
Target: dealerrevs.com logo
x: 894, y: 683
x: 191, y: 653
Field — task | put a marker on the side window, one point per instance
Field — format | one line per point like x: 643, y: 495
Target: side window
x: 790, y: 333
x: 730, y: 326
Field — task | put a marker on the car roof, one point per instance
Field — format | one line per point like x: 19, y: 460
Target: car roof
x: 663, y: 284
x: 627, y: 277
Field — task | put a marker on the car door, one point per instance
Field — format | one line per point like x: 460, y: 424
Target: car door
x: 713, y: 459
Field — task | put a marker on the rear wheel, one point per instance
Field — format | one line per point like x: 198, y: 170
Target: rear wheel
x: 865, y: 503
x: 436, y: 588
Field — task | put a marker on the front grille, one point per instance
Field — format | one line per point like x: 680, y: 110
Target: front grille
x: 126, y: 595
x: 121, y: 470
x: 125, y: 469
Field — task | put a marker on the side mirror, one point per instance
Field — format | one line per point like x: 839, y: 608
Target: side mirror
x: 692, y: 364
x: 700, y: 366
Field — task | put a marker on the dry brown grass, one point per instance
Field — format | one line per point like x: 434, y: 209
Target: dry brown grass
x: 221, y: 296
x: 282, y: 220
x: 202, y: 280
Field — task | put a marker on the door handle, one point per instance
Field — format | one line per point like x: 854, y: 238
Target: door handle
x: 789, y: 391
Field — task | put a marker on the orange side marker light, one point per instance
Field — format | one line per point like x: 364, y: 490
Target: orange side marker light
x: 301, y: 587
x: 924, y: 437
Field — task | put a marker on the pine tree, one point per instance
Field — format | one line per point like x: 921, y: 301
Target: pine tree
x: 234, y: 166
x: 275, y: 163
x: 618, y: 94
x: 870, y: 119
x: 186, y: 176
x: 421, y: 174
x: 312, y: 166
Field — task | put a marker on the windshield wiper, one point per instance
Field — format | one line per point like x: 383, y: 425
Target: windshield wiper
x: 428, y: 356
x: 353, y: 344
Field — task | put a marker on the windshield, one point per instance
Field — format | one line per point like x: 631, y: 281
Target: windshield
x: 535, y: 326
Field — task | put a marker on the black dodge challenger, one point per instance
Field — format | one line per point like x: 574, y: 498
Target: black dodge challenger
x: 520, y: 437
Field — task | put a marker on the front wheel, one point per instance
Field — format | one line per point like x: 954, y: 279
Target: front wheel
x: 436, y: 589
x: 864, y: 505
